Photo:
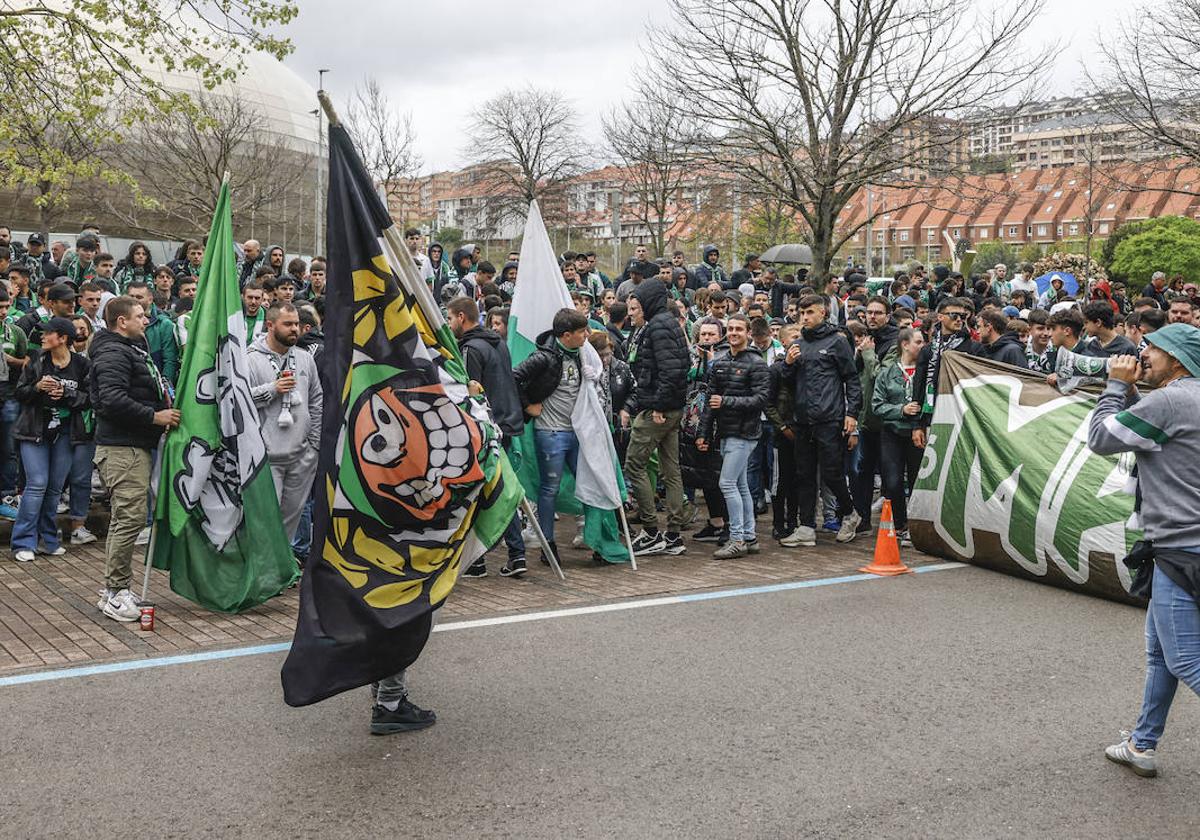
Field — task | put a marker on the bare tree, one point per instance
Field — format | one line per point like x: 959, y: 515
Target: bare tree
x: 657, y: 161
x: 385, y: 139
x: 809, y: 101
x: 180, y: 162
x: 1152, y: 65
x: 526, y: 145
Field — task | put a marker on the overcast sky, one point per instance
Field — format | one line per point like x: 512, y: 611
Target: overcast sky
x: 437, y: 59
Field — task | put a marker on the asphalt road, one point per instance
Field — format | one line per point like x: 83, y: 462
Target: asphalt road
x: 957, y: 704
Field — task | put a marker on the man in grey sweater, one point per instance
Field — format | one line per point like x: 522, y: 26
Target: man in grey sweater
x: 1161, y: 429
x: 287, y: 391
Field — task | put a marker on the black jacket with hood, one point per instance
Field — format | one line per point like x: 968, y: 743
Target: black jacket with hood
x: 125, y: 391
x: 743, y: 382
x: 37, y: 407
x: 706, y: 272
x: 1009, y: 349
x: 825, y: 379
x: 489, y: 364
x: 540, y: 373
x: 661, y: 361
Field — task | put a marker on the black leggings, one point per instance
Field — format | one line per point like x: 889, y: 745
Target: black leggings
x: 898, y: 465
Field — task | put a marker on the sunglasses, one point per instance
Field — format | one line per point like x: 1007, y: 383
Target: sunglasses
x: 955, y: 316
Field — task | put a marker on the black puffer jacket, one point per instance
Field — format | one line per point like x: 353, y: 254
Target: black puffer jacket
x: 1008, y: 349
x: 660, y: 362
x: 743, y: 383
x: 489, y: 364
x: 824, y: 378
x: 540, y: 373
x: 125, y: 392
x: 620, y: 384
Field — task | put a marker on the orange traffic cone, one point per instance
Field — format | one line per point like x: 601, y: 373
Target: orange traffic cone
x: 887, y: 549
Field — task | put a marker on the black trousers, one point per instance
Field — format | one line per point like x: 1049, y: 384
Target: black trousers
x: 821, y: 446
x: 863, y: 488
x: 898, y: 469
x: 784, y: 501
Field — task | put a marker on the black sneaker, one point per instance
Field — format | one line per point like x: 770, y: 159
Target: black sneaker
x: 752, y: 546
x: 709, y: 533
x: 647, y: 543
x: 478, y: 569
x: 724, y: 538
x: 406, y: 718
x: 554, y: 551
x: 513, y: 568
x: 672, y: 545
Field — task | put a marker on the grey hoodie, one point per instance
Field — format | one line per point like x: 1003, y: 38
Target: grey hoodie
x: 286, y: 444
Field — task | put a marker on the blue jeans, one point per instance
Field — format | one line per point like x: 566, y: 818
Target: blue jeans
x: 555, y: 450
x: 1172, y: 655
x: 302, y: 542
x: 47, y: 466
x: 9, y: 412
x: 82, y: 456
x: 735, y: 486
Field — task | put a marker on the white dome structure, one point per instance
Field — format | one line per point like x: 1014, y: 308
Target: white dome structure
x: 268, y: 86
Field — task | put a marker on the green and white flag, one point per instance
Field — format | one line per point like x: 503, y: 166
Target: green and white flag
x: 217, y: 526
x: 598, y: 488
x: 1008, y: 482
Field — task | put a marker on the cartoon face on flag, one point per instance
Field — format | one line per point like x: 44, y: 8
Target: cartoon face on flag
x: 412, y: 448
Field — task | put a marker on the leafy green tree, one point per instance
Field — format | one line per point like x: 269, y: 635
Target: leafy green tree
x: 1108, y: 254
x: 1172, y: 246
x: 450, y: 237
x: 988, y: 254
x: 104, y: 67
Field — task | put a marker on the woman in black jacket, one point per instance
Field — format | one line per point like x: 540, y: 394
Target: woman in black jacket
x: 53, y: 397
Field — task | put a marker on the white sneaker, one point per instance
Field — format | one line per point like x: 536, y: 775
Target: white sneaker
x: 577, y: 541
x: 24, y: 556
x: 143, y: 537
x: 82, y: 536
x: 849, y: 529
x: 1144, y: 763
x: 121, y: 606
x: 58, y: 552
x: 63, y: 506
x: 802, y: 536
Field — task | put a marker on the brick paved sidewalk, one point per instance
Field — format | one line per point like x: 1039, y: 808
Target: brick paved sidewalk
x: 48, y: 613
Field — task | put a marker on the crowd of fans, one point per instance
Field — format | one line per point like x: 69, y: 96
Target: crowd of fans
x: 732, y: 393
x: 729, y: 392
x: 92, y: 348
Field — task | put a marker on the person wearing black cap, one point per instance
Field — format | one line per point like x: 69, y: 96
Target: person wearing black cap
x: 78, y: 267
x: 637, y: 272
x: 54, y: 397
x: 37, y: 259
x: 55, y: 300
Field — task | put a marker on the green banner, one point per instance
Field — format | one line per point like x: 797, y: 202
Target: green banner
x: 1007, y: 482
x: 217, y: 526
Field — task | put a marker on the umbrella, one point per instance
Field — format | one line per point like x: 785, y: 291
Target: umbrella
x: 1069, y: 282
x: 797, y: 254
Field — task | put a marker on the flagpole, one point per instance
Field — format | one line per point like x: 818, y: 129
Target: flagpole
x: 537, y: 529
x: 628, y: 542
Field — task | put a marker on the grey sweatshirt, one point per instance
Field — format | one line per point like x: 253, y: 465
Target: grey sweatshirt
x: 1161, y: 428
x: 286, y: 444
